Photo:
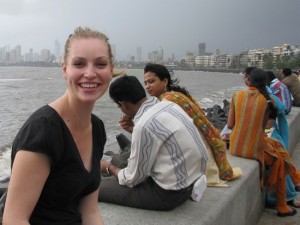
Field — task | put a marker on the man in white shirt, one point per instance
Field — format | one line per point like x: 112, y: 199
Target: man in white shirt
x: 167, y: 153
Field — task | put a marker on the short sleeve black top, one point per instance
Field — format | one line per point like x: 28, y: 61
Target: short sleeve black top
x: 45, y: 132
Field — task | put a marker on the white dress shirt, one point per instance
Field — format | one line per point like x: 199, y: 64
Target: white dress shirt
x: 166, y: 145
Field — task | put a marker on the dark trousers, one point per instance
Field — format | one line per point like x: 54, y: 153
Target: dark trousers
x: 146, y: 195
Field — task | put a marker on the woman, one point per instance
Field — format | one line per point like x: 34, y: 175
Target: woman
x: 251, y: 111
x: 158, y: 82
x: 56, y: 154
x: 279, y: 131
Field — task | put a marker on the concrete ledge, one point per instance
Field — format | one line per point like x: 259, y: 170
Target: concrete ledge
x: 294, y: 128
x: 240, y: 204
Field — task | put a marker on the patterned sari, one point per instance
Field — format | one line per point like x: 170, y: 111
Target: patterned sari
x: 211, y: 134
x: 248, y: 138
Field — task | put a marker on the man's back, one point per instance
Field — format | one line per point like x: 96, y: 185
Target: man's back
x: 167, y: 146
x: 282, y: 92
x: 293, y: 84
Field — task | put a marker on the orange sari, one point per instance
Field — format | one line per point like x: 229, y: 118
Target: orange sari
x: 211, y: 134
x: 248, y: 140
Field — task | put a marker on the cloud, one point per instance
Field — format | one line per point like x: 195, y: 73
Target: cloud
x: 175, y: 25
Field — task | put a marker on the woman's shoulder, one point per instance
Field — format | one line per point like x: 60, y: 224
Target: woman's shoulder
x: 44, y: 112
x: 240, y: 92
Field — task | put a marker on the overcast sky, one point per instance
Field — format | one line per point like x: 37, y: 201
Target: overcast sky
x: 175, y: 25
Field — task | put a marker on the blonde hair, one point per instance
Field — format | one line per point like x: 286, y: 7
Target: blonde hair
x: 84, y: 33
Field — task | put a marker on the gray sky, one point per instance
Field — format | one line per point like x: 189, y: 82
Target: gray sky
x: 175, y: 25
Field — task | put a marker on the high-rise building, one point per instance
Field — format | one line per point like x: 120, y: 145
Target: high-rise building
x: 45, y: 55
x: 201, y: 48
x: 156, y: 56
x: 29, y: 56
x: 217, y: 52
x: 56, y: 48
x: 160, y: 55
x: 16, y: 54
x: 139, y: 54
x: 2, y: 54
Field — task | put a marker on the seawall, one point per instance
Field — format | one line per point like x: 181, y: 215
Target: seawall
x: 240, y: 204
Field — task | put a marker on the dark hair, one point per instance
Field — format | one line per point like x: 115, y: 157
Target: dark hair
x: 286, y: 72
x: 248, y: 70
x: 258, y: 78
x: 127, y: 88
x: 163, y: 73
x: 270, y: 76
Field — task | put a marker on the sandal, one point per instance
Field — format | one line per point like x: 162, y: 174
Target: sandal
x: 291, y: 213
x: 295, y: 203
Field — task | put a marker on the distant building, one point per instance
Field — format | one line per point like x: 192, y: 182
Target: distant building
x: 15, y: 54
x: 132, y: 59
x: 45, y: 55
x: 153, y: 57
x: 160, y: 55
x: 156, y: 56
x: 201, y: 48
x: 2, y: 54
x: 202, y: 61
x: 139, y: 54
x: 190, y: 60
x: 217, y: 52
x: 29, y: 56
x: 56, y: 48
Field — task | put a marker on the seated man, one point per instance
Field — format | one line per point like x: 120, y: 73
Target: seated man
x: 168, y: 155
x: 291, y: 80
x: 280, y: 90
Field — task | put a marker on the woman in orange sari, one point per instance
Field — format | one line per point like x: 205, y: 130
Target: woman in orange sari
x: 251, y: 111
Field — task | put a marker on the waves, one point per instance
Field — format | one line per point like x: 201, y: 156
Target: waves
x: 23, y: 90
x: 5, y: 153
x: 12, y: 79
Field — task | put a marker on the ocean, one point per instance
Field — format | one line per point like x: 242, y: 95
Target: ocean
x: 25, y: 89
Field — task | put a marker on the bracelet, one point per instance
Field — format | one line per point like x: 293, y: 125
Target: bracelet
x: 107, y: 168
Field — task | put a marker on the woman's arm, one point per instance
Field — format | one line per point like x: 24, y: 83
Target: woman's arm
x: 29, y: 174
x: 269, y: 123
x: 89, y: 209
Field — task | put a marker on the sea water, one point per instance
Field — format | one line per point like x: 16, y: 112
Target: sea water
x: 25, y: 89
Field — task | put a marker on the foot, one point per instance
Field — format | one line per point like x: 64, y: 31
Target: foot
x: 295, y: 203
x: 291, y: 212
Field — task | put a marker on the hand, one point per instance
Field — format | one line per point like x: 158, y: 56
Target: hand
x: 226, y: 137
x: 126, y: 123
x: 103, y: 165
x: 112, y: 169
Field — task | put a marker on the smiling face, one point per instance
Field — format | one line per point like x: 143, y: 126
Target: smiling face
x: 87, y: 69
x: 153, y: 85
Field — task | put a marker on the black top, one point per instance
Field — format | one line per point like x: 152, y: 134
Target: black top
x: 45, y: 132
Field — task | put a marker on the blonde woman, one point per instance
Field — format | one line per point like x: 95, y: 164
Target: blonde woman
x: 56, y: 154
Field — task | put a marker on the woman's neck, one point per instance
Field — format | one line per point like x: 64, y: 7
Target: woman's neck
x: 75, y: 115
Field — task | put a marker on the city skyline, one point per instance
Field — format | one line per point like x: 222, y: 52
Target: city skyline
x: 57, y: 52
x: 178, y: 27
